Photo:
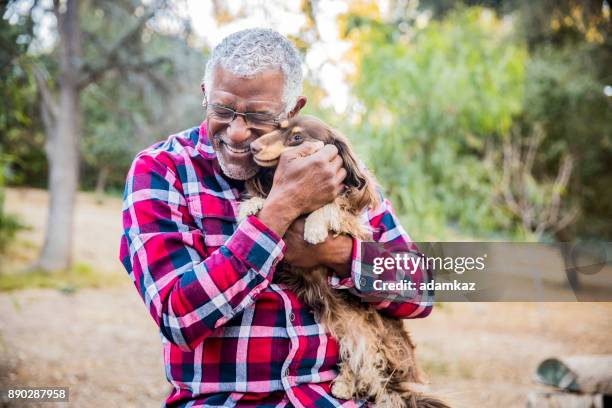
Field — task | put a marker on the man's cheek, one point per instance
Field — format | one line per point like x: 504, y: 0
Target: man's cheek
x: 216, y: 139
x: 215, y: 133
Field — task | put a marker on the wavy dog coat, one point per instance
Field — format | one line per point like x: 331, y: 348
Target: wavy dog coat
x: 377, y: 359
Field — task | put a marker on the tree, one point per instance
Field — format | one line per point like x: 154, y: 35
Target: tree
x: 17, y: 114
x: 537, y: 203
x: 130, y: 110
x: 566, y: 74
x: 62, y: 112
x: 430, y: 100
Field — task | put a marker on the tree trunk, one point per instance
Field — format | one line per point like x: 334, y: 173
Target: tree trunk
x: 101, y: 182
x: 63, y: 147
x: 62, y: 154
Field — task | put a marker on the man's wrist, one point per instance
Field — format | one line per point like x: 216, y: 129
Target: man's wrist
x: 277, y: 216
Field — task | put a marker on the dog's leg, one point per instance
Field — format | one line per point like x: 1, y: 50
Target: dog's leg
x: 250, y: 207
x: 320, y: 222
x: 352, y: 225
x: 390, y: 400
x: 343, y: 386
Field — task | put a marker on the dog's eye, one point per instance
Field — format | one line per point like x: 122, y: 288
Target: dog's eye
x: 296, y: 139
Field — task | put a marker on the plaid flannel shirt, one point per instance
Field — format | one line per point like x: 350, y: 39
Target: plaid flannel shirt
x: 230, y: 336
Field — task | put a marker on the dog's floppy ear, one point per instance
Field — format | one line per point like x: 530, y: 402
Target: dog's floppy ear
x: 361, y: 189
x: 261, y: 184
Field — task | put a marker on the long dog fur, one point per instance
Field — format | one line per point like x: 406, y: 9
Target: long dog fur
x: 377, y: 360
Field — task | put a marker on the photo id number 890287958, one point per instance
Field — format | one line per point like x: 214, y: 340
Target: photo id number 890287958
x: 57, y: 394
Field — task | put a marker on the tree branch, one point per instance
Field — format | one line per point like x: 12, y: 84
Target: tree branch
x: 48, y: 100
x: 92, y: 74
x: 142, y: 67
x: 559, y: 186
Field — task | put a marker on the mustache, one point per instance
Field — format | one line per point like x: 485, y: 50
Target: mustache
x: 243, y: 145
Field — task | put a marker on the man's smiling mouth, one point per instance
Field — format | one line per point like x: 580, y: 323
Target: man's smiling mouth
x: 237, y: 150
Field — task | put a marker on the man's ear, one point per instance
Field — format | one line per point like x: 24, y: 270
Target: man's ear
x: 204, y: 99
x: 301, y: 101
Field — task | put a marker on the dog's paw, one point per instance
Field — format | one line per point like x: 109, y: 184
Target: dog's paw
x: 250, y: 207
x: 320, y: 222
x: 341, y: 389
x: 334, y: 223
x: 315, y: 230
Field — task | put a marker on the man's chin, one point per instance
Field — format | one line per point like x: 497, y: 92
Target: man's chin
x: 238, y: 171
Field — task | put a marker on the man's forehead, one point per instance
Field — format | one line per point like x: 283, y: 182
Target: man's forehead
x: 220, y: 96
x: 265, y: 87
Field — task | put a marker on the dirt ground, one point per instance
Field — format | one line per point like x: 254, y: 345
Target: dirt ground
x: 97, y: 227
x: 104, y: 346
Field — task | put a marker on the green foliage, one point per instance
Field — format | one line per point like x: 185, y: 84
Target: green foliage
x: 435, y: 103
x: 134, y: 106
x: 9, y: 224
x: 151, y: 90
x: 21, y: 133
x: 566, y: 95
x: 432, y: 102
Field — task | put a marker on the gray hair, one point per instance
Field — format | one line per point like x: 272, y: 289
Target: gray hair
x: 249, y: 52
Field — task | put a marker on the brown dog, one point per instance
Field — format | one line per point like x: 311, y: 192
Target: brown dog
x: 377, y: 355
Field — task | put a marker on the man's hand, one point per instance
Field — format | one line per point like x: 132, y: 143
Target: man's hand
x: 334, y: 252
x: 307, y: 177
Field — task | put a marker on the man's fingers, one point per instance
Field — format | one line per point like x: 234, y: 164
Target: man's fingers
x: 328, y: 152
x: 341, y: 175
x: 305, y: 149
x: 337, y: 163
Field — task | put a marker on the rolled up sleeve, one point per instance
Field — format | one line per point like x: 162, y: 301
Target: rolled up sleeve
x: 189, y: 293
x: 387, y: 231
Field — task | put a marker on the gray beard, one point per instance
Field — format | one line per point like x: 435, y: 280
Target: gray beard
x: 234, y: 172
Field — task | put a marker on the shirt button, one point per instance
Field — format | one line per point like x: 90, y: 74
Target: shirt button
x: 291, y: 316
x: 362, y: 281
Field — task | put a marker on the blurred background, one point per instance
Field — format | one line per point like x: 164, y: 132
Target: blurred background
x: 482, y: 120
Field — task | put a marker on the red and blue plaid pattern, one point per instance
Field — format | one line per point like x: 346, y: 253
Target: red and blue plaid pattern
x: 231, y: 337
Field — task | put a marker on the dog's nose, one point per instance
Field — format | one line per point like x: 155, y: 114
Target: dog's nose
x: 256, y: 147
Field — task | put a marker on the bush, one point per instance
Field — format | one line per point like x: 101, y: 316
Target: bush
x: 9, y: 224
x: 444, y: 96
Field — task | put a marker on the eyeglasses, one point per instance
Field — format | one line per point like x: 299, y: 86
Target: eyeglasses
x: 224, y: 114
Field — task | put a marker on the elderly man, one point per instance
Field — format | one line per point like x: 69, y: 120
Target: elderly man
x: 231, y: 336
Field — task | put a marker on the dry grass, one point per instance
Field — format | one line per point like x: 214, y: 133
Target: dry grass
x: 105, y: 347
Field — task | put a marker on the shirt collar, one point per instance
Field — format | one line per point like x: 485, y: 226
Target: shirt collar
x: 204, y: 146
x: 205, y: 149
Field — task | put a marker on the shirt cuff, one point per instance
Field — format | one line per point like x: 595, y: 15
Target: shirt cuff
x: 256, y: 245
x: 352, y: 281
x: 356, y: 275
x: 363, y: 282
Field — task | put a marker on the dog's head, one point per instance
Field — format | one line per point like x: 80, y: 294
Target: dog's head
x: 360, y: 191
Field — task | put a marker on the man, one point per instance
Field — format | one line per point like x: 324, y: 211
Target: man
x: 231, y: 337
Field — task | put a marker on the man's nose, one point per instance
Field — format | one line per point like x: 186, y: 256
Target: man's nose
x: 238, y: 131
x: 256, y: 147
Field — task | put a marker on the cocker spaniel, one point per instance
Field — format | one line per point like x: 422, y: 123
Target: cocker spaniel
x: 376, y: 352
